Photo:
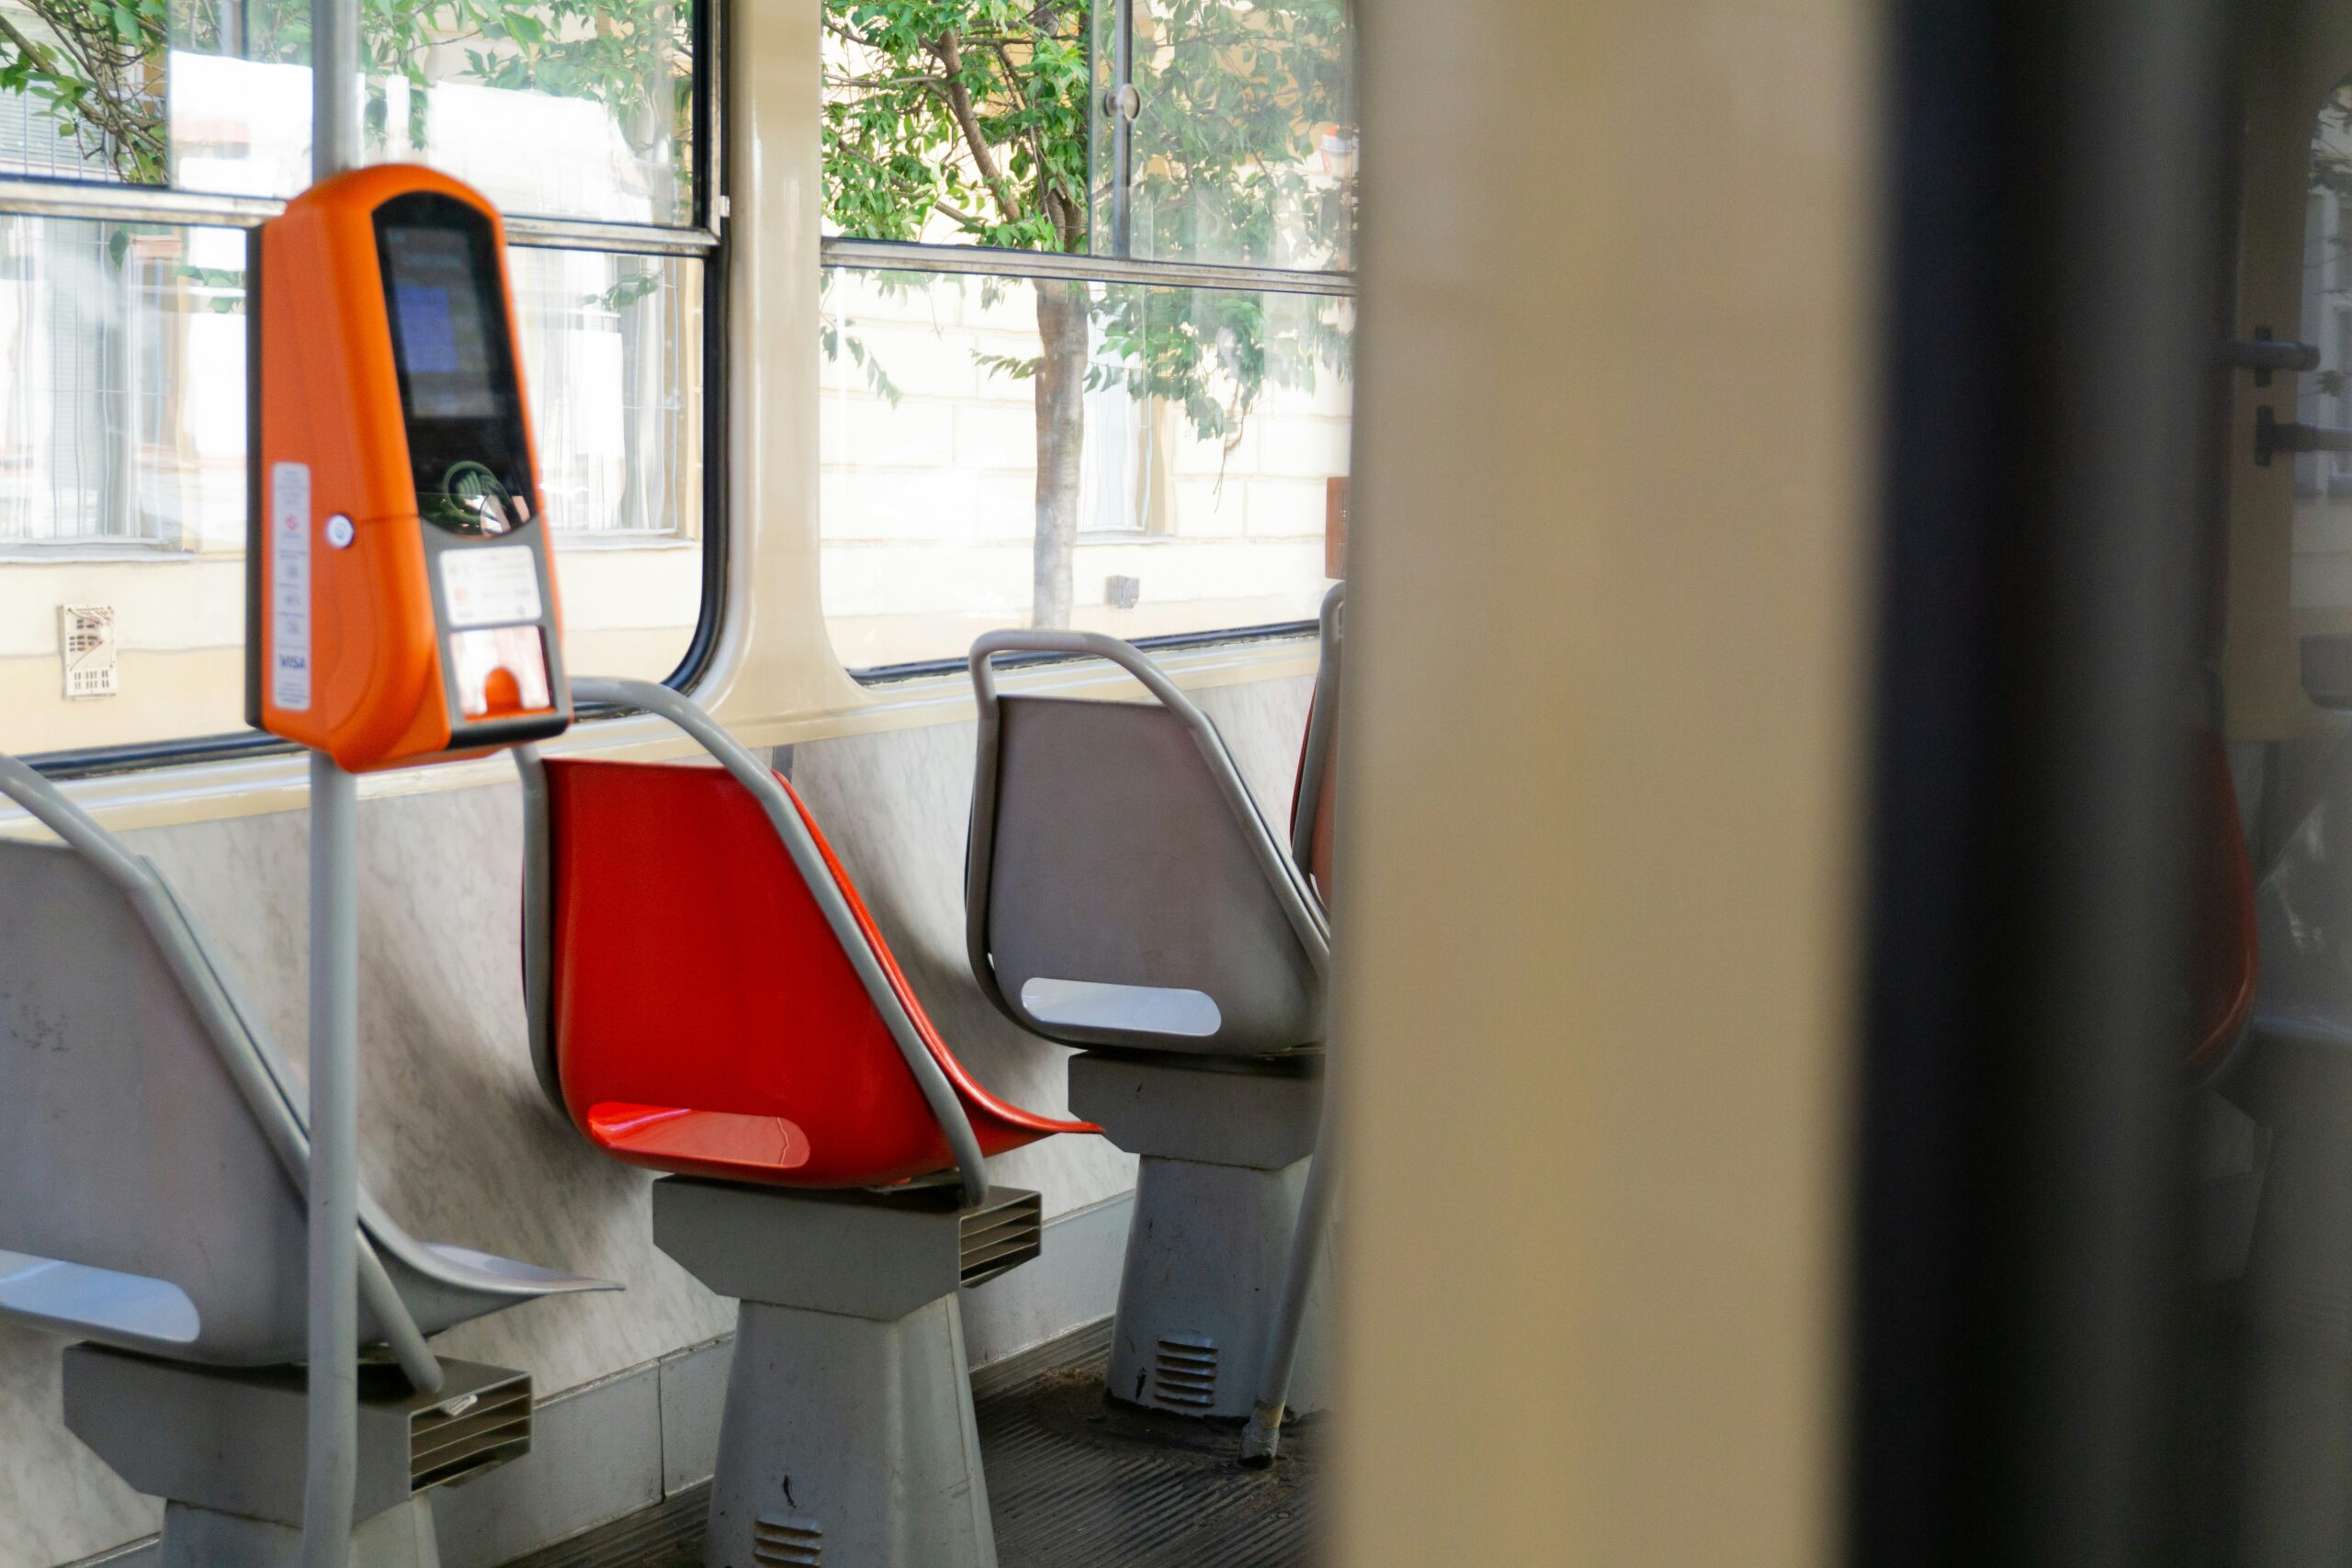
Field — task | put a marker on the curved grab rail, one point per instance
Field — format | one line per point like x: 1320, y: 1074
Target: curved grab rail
x: 947, y: 1108
x: 203, y: 980
x: 1314, y: 765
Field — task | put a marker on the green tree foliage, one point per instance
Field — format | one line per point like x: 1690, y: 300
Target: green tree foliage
x: 979, y: 113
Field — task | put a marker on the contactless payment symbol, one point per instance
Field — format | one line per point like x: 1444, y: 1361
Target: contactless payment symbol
x: 480, y: 496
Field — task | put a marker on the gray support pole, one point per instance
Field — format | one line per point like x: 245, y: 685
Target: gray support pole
x: 331, y: 1458
x: 334, y: 87
x: 1264, y: 1435
x: 332, y: 1454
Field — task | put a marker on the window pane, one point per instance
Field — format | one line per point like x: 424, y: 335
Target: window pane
x: 570, y: 108
x: 612, y: 357
x: 576, y: 108
x: 122, y: 466
x: 1244, y: 144
x: 1202, y: 435
x: 2321, y: 574
x: 975, y: 134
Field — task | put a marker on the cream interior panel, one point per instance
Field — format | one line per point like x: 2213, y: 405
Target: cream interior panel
x: 1599, y: 775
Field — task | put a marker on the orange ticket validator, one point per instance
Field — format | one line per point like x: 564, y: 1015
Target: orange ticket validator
x: 400, y: 598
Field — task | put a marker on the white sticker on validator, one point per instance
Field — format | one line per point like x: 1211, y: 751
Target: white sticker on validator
x: 290, y: 586
x: 489, y: 587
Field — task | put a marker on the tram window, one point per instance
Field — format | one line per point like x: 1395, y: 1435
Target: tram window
x: 586, y: 112
x: 1197, y: 507
x: 123, y: 342
x: 2321, y: 586
x: 1204, y: 100
x: 575, y: 109
x: 1133, y: 444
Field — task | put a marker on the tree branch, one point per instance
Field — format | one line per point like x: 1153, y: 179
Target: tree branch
x: 959, y: 104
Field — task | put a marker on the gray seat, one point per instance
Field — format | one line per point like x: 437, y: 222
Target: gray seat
x: 1123, y: 888
x: 154, y: 1151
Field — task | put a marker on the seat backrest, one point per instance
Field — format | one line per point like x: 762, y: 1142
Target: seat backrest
x: 2225, y: 964
x: 696, y: 975
x: 1119, y: 898
x: 129, y: 1147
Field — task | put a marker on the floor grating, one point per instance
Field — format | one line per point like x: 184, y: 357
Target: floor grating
x: 1076, y: 1481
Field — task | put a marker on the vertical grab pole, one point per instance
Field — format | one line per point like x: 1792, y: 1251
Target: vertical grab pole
x: 331, y: 1459
x: 1264, y: 1435
x: 334, y: 87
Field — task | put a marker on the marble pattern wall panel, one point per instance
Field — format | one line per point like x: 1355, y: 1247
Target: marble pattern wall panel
x: 1265, y: 724
x: 57, y: 1501
x: 458, y: 1140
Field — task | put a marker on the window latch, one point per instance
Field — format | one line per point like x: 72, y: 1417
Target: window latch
x: 2263, y: 354
x: 1123, y: 103
x: 2273, y: 436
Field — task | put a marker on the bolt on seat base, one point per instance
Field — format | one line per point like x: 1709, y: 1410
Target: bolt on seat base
x: 1225, y: 1146
x: 848, y: 1438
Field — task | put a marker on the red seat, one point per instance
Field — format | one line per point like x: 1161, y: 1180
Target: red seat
x: 1319, y: 834
x: 704, y: 1019
x: 2225, y: 966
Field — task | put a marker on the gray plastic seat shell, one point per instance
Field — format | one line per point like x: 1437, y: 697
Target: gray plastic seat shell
x: 148, y: 1157
x: 1118, y: 861
x: 1114, y: 845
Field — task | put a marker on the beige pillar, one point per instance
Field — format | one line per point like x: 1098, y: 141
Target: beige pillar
x: 1600, y: 799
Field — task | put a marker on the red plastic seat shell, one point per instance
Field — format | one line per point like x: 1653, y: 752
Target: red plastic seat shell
x: 2226, y: 965
x: 704, y: 1019
x: 1320, y: 855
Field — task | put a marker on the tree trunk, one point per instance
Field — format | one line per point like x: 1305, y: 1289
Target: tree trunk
x: 1061, y: 445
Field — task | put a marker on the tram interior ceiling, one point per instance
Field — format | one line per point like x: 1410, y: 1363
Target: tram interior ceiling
x: 1013, y: 758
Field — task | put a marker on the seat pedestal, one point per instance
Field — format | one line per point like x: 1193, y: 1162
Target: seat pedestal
x: 1224, y: 1145
x: 2297, y: 1438
x: 848, y: 1436
x: 194, y: 1537
x: 224, y: 1449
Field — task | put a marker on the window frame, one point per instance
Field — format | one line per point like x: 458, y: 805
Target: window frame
x: 704, y: 239
x: 841, y: 253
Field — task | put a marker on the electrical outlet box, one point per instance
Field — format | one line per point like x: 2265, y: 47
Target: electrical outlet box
x: 86, y: 640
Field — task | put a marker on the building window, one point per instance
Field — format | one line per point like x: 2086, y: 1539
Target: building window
x: 143, y: 144
x: 1088, y: 320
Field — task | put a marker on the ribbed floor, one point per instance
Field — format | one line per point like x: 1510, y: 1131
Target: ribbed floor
x: 1077, y: 1483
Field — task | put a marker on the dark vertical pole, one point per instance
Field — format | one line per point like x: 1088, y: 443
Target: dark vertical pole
x: 712, y: 163
x: 2051, y: 231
